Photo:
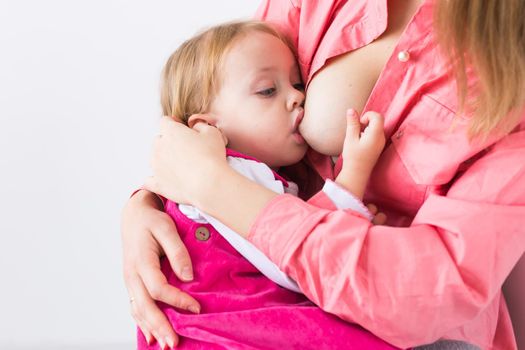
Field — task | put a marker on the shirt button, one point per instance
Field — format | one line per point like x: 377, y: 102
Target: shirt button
x: 403, y: 56
x: 202, y: 233
x: 399, y: 134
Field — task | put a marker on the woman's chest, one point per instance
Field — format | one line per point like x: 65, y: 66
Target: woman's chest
x: 351, y: 76
x: 348, y: 80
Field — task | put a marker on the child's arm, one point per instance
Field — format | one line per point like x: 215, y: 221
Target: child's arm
x: 360, y: 150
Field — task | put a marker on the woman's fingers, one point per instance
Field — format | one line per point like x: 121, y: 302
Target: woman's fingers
x: 165, y: 233
x: 205, y: 128
x: 147, y: 314
x: 182, y: 160
x: 159, y: 289
x: 168, y: 237
x: 145, y: 329
x: 167, y: 124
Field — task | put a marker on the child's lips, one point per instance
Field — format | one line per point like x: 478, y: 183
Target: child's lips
x: 298, y: 120
x: 298, y: 137
x: 295, y: 132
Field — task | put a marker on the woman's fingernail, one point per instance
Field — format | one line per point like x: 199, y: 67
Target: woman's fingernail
x: 148, y: 339
x: 162, y: 345
x: 170, y: 342
x: 187, y: 274
x: 194, y: 309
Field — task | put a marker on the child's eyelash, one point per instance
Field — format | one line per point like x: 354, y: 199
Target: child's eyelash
x: 270, y: 91
x: 299, y: 86
x: 266, y: 92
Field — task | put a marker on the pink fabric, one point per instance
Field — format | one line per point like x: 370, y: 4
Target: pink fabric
x: 242, y: 309
x: 455, y: 208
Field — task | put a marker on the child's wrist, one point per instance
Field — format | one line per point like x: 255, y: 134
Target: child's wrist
x: 354, y: 179
x: 355, y: 189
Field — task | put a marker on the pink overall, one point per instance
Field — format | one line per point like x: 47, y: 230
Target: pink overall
x: 242, y: 309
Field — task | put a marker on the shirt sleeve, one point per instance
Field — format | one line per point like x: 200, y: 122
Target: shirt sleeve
x: 409, y: 285
x: 343, y: 199
x: 333, y: 197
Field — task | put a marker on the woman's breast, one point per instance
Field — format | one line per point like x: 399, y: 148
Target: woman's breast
x: 346, y: 81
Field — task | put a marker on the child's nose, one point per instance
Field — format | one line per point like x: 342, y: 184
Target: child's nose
x: 296, y: 99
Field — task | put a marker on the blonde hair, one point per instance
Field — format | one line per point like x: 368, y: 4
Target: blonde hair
x: 191, y: 76
x: 489, y: 37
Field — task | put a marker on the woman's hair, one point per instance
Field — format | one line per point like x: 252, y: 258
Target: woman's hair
x: 489, y: 37
x: 191, y: 77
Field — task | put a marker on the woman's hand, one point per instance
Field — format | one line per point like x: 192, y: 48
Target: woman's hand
x: 185, y: 161
x: 147, y: 234
x: 361, y: 150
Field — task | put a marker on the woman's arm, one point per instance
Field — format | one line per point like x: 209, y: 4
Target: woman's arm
x: 409, y: 286
x: 202, y: 177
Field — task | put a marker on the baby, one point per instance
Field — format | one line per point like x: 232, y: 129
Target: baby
x: 243, y: 78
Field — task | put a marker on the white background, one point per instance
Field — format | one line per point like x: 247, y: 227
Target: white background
x: 78, y: 110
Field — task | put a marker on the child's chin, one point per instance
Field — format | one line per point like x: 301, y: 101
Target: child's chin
x: 296, y: 158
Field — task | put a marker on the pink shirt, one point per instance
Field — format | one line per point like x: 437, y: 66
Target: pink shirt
x: 455, y: 209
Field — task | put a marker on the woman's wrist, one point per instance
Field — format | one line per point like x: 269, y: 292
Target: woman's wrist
x: 233, y: 199
x: 209, y: 189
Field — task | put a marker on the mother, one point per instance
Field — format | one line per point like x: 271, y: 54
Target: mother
x: 451, y: 179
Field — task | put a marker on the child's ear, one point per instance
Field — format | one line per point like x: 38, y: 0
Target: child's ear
x: 202, y: 118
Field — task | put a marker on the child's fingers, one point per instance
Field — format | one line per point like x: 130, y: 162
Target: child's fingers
x: 353, y: 127
x: 369, y: 117
x: 376, y: 120
x: 375, y: 124
x: 379, y: 219
x: 372, y: 208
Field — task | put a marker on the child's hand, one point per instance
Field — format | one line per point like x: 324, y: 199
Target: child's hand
x: 360, y: 150
x: 379, y: 217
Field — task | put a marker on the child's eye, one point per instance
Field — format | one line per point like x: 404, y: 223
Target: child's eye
x: 299, y: 86
x: 266, y: 92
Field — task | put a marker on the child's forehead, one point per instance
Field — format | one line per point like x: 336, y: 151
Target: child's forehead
x: 260, y: 52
